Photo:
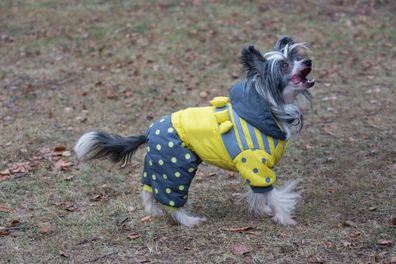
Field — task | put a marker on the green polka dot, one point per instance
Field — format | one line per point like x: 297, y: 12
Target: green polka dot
x: 177, y: 174
x: 153, y: 177
x: 151, y: 162
x: 181, y: 187
x: 167, y: 190
x: 190, y: 170
x: 145, y: 174
x: 183, y: 145
x: 170, y: 130
x: 148, y: 149
x: 171, y: 203
x: 156, y: 190
x: 161, y: 162
x: 158, y: 147
x: 165, y: 176
x: 173, y: 159
x: 187, y: 156
x: 157, y: 132
x: 171, y: 144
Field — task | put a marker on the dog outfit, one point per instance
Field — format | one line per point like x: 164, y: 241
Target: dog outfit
x: 237, y: 133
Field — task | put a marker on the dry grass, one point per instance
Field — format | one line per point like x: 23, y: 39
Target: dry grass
x: 71, y: 66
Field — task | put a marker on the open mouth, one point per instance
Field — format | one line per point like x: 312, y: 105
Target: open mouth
x: 301, y: 78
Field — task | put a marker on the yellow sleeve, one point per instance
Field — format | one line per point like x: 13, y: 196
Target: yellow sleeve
x: 254, y: 167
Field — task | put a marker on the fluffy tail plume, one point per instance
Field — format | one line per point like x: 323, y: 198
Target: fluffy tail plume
x: 97, y: 145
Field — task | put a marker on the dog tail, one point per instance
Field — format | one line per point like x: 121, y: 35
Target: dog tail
x: 100, y: 145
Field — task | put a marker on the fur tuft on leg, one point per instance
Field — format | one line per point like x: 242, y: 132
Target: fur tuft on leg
x: 96, y: 145
x: 183, y: 217
x: 150, y: 205
x: 278, y: 203
x: 257, y: 203
x: 180, y: 215
x: 283, y: 202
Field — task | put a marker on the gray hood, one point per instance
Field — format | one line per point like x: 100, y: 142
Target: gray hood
x: 252, y: 107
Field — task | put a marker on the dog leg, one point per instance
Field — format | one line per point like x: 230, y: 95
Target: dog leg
x: 257, y: 203
x: 183, y: 217
x: 278, y: 203
x: 283, y: 202
x: 150, y: 205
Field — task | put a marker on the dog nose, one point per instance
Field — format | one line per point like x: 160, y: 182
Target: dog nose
x: 307, y: 63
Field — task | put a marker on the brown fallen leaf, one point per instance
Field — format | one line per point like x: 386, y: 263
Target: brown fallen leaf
x: 15, y: 222
x: 238, y: 229
x: 204, y: 94
x: 346, y: 243
x: 385, y: 242
x: 142, y: 259
x: 96, y: 198
x: 4, y: 208
x: 128, y: 94
x: 348, y: 223
x: 63, y: 254
x: 234, y: 75
x: 394, y: 221
x: 19, y: 169
x: 133, y: 235
x: 62, y: 165
x: 66, y: 153
x: 37, y: 157
x: 5, y: 172
x: 68, y: 206
x: 146, y: 218
x: 131, y: 209
x: 4, y: 232
x: 110, y: 95
x: 240, y: 249
x: 59, y: 149
x: 45, y: 228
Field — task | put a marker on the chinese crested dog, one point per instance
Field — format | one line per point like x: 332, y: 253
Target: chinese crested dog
x: 246, y: 131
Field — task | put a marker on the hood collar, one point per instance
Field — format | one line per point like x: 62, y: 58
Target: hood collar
x: 252, y: 107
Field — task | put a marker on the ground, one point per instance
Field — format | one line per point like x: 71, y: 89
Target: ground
x: 68, y: 67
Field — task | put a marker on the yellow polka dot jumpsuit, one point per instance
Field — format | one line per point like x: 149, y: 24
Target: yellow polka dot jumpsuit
x: 236, y: 133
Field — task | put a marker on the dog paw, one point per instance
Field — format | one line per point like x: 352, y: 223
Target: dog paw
x: 194, y: 221
x: 284, y: 220
x: 157, y: 213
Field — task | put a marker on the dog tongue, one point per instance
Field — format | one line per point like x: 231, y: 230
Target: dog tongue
x: 296, y: 79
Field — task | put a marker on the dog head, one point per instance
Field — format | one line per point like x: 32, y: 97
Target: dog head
x: 280, y: 74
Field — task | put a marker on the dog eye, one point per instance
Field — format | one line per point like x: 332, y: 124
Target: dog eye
x: 284, y: 66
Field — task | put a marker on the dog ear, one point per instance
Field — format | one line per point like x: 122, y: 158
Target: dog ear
x: 282, y: 42
x: 252, y: 61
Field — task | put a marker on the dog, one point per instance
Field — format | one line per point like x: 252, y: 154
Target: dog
x: 247, y: 132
